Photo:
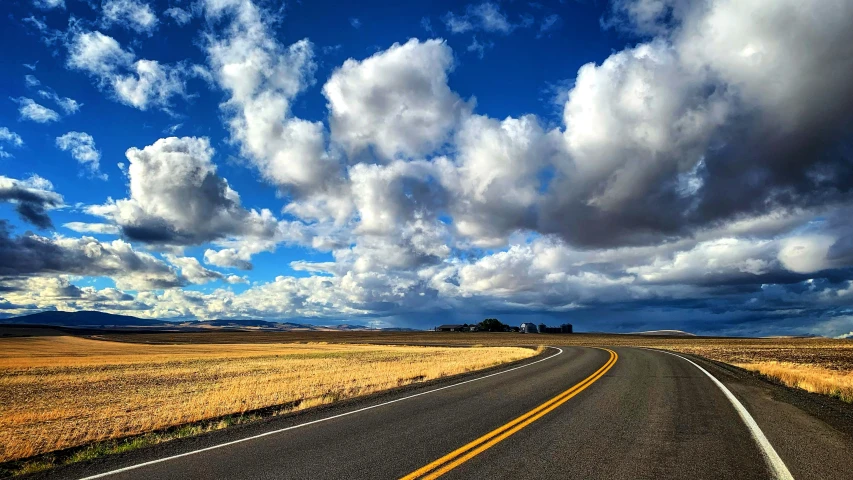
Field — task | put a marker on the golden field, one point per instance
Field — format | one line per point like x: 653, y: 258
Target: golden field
x: 819, y: 365
x: 62, y: 391
x: 815, y: 365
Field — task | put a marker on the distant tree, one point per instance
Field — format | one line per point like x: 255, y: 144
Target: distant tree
x: 491, y: 325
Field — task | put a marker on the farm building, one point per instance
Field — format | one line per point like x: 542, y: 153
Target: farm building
x: 564, y: 328
x: 451, y: 328
x: 528, y: 327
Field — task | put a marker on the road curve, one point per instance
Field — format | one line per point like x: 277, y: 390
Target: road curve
x: 628, y: 413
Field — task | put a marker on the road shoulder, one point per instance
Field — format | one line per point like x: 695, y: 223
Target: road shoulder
x: 812, y: 433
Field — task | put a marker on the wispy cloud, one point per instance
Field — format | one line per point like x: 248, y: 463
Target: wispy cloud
x: 179, y: 15
x: 49, y: 4
x: 49, y: 36
x: 134, y: 15
x: 487, y: 17
x: 31, y: 81
x: 81, y: 145
x: 68, y: 105
x: 28, y: 109
x: 9, y: 138
x: 139, y: 83
x: 479, y: 48
x: 549, y: 24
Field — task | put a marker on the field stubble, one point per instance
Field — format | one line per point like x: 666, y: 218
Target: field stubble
x: 818, y: 365
x: 60, y: 392
x: 824, y: 367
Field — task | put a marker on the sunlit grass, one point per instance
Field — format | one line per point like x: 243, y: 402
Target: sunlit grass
x: 817, y: 366
x: 60, y: 392
x: 807, y: 377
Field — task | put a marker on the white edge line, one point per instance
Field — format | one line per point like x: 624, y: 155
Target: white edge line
x: 293, y: 427
x: 773, y: 460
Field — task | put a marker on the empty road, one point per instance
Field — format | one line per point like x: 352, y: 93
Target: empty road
x: 575, y: 412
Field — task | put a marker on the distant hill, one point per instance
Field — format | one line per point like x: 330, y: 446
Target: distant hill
x: 234, y: 323
x: 85, y: 319
x: 93, y: 319
x: 349, y: 327
x: 667, y: 333
x: 784, y: 337
x: 266, y: 324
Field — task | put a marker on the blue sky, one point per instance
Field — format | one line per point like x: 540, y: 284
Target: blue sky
x: 513, y: 64
x: 621, y: 165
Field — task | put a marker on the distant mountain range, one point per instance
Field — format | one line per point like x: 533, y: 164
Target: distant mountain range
x: 91, y: 319
x: 85, y: 319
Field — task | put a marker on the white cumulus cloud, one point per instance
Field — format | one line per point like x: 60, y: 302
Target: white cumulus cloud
x: 396, y: 101
x: 177, y: 198
x: 262, y: 77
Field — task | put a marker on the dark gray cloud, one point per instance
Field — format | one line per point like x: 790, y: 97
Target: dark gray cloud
x: 34, y: 255
x: 32, y: 198
x: 695, y: 127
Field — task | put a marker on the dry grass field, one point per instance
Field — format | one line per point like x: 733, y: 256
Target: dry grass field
x: 818, y: 365
x: 62, y: 391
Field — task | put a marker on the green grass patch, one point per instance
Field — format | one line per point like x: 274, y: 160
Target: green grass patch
x: 93, y: 451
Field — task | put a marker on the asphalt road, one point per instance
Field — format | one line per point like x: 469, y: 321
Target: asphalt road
x: 584, y: 413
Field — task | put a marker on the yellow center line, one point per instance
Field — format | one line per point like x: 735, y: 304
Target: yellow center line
x: 463, y: 454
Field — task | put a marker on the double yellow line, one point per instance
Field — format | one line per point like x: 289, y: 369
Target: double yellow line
x: 469, y: 451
